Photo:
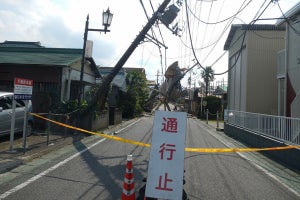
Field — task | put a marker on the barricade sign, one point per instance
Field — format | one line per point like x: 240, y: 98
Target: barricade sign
x: 166, y: 164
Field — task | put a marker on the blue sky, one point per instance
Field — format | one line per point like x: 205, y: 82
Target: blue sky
x: 60, y: 23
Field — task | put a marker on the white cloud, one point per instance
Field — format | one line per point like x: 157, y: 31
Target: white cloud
x: 57, y: 23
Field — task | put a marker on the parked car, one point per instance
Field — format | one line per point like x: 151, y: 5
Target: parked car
x: 6, y: 99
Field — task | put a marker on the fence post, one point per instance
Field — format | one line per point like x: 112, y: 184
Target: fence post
x: 48, y: 128
x: 66, y: 122
x: 206, y: 116
x: 217, y: 120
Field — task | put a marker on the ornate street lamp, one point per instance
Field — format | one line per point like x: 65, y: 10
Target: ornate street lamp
x: 106, y: 21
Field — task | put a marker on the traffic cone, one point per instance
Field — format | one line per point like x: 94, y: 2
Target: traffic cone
x: 128, y: 185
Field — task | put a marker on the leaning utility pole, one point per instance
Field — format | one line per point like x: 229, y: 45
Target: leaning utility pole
x: 102, y: 92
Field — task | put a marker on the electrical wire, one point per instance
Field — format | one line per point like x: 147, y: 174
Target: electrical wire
x: 206, y: 25
x: 221, y: 21
x: 243, y: 39
x: 189, y: 33
x: 215, y: 25
x: 288, y: 21
x: 242, y: 44
x: 224, y: 31
x: 190, y: 36
x: 154, y: 36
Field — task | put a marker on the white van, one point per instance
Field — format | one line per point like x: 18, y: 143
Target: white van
x: 6, y: 99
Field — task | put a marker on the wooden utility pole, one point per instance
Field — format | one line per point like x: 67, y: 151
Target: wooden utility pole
x: 157, y: 75
x: 102, y: 92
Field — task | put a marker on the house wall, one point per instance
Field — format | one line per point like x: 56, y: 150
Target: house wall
x: 35, y: 73
x: 252, y: 83
x: 236, y: 75
x: 72, y: 73
x: 262, y: 48
x: 293, y: 67
x: 281, y: 78
x: 236, y: 82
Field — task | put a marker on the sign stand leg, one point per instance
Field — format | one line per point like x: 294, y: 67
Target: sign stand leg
x: 25, y: 127
x: 12, y: 127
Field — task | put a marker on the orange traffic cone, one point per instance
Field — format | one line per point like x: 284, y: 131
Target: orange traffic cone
x: 128, y: 185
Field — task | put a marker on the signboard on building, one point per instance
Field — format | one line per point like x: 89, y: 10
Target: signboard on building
x: 166, y: 165
x: 23, y: 89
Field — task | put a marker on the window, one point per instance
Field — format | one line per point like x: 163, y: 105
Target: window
x: 6, y: 102
x: 19, y: 103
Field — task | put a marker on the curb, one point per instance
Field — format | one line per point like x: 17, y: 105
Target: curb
x: 9, y: 164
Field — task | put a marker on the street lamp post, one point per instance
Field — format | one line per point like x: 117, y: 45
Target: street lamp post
x: 106, y: 21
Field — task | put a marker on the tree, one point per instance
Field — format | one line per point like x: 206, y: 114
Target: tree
x: 132, y: 101
x: 214, y: 105
x: 208, y: 75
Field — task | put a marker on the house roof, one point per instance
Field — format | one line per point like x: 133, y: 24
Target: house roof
x: 33, y: 53
x: 20, y: 44
x: 249, y: 27
x: 130, y: 69
x: 289, y: 14
x: 220, y: 90
x: 119, y: 80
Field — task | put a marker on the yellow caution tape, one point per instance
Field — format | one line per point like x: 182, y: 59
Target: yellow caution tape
x: 198, y: 150
x: 94, y: 133
x: 229, y: 150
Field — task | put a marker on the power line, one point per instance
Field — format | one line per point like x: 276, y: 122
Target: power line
x: 288, y: 21
x: 157, y: 43
x: 205, y: 29
x: 226, y: 27
x: 223, y: 32
x: 189, y: 33
x: 190, y: 37
x: 221, y: 21
x: 243, y: 39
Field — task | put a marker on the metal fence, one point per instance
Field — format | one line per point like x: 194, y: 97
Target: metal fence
x: 285, y: 129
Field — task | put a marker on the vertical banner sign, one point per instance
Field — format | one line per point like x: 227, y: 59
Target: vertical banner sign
x: 166, y: 165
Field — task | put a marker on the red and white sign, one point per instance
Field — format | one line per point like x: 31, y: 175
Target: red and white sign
x: 23, y: 88
x: 166, y: 165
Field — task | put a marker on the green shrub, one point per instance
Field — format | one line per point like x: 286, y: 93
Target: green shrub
x: 214, y: 104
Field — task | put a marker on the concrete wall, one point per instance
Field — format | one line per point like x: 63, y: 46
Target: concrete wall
x: 289, y: 158
x: 86, y: 122
x: 100, y: 122
x: 90, y: 123
x: 118, y: 117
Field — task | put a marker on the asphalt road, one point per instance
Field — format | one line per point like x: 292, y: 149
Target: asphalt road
x: 98, y: 172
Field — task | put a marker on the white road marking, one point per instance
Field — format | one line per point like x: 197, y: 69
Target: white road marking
x: 243, y: 155
x: 22, y: 185
x: 128, y: 126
